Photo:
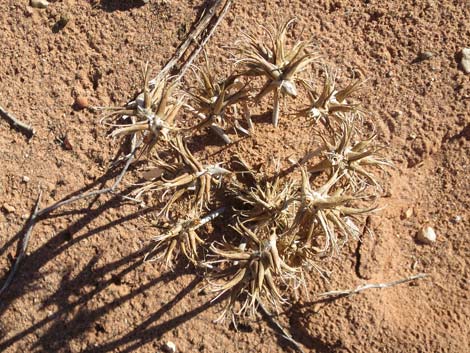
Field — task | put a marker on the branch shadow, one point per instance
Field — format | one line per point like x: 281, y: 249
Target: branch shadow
x: 145, y: 332
x: 300, y: 317
x: 120, y: 5
x: 101, y: 181
x: 60, y: 243
x: 72, y: 318
x: 83, y: 320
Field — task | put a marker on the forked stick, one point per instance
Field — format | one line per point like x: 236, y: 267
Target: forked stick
x: 82, y: 196
x: 204, y: 41
x: 192, y: 37
x: 37, y: 213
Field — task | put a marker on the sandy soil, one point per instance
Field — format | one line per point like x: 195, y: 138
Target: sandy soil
x: 83, y: 286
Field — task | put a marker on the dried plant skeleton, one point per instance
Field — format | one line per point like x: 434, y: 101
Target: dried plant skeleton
x: 212, y: 98
x: 279, y: 227
x: 154, y: 112
x: 331, y: 104
x: 277, y: 63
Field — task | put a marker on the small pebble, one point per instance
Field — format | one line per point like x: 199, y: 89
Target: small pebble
x: 397, y: 113
x: 26, y: 179
x: 457, y: 219
x: 81, y: 102
x: 465, y: 62
x: 427, y: 235
x: 28, y: 11
x: 169, y: 347
x: 61, y: 22
x: 408, y: 213
x: 8, y: 208
x: 424, y: 55
x: 39, y: 4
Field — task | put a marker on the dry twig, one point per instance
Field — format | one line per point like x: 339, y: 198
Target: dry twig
x: 200, y: 27
x: 361, y: 288
x: 24, y: 244
x: 16, y: 123
x: 204, y: 41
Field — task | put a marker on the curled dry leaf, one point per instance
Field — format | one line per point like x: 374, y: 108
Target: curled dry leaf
x: 326, y: 215
x: 331, y: 104
x: 187, y: 176
x: 251, y: 272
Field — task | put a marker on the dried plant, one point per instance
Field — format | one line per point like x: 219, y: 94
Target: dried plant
x: 152, y: 113
x: 213, y: 97
x: 265, y: 203
x: 277, y: 63
x: 183, y: 237
x: 351, y: 158
x: 328, y: 213
x: 252, y: 271
x: 188, y: 176
x: 284, y: 227
x: 331, y: 104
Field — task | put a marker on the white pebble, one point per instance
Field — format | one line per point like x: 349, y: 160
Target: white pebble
x: 408, y: 213
x: 466, y: 60
x: 457, y: 219
x: 39, y: 4
x: 8, y: 208
x: 26, y: 179
x: 169, y: 347
x: 427, y: 235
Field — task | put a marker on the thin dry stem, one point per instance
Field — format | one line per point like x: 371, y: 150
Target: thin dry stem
x: 16, y: 123
x: 24, y: 244
x: 361, y: 288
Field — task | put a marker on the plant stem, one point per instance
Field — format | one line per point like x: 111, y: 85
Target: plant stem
x: 18, y: 124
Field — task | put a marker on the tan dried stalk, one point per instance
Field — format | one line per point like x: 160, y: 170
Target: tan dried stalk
x: 191, y: 176
x: 183, y: 238
x: 327, y: 213
x: 265, y: 203
x: 278, y: 63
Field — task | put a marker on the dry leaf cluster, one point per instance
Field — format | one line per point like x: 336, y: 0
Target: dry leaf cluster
x: 277, y: 228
